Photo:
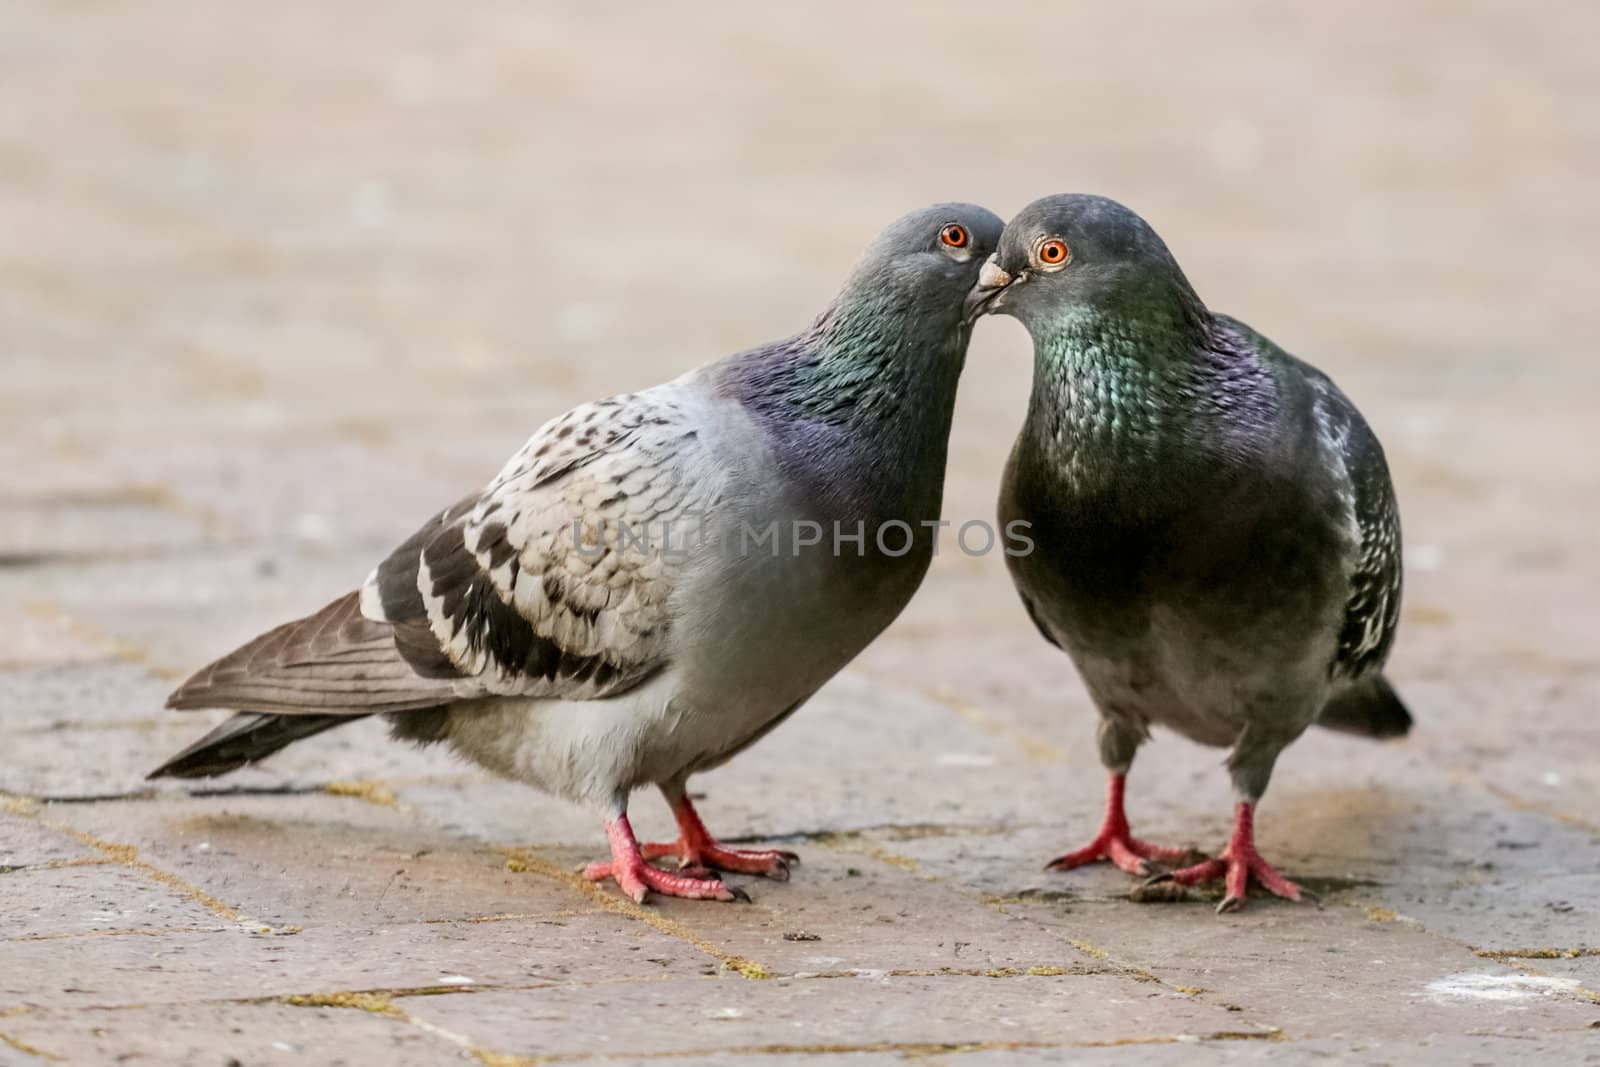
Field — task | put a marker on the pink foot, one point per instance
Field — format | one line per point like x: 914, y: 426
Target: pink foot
x: 695, y: 848
x: 699, y: 856
x: 1239, y: 863
x: 1115, y: 842
x: 708, y: 860
x: 636, y: 878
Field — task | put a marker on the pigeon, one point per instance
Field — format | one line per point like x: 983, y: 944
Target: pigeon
x: 656, y: 580
x: 1216, y: 543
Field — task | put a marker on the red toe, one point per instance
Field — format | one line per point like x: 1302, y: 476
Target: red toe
x: 673, y: 884
x: 770, y: 863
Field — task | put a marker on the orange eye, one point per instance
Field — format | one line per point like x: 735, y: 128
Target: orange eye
x: 955, y: 236
x: 1053, y: 253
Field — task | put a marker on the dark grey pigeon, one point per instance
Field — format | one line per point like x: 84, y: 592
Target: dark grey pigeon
x: 656, y: 580
x: 1217, y: 543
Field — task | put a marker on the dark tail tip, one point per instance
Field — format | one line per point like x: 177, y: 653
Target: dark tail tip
x: 1370, y: 708
x: 248, y: 737
x: 199, y: 761
x: 200, y: 765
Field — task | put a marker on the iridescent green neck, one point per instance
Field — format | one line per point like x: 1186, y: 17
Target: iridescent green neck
x: 868, y: 360
x: 859, y: 406
x: 1109, y: 389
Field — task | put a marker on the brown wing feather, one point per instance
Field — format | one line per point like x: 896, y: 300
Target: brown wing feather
x: 333, y: 662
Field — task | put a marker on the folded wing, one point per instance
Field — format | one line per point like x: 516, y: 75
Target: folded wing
x: 531, y: 588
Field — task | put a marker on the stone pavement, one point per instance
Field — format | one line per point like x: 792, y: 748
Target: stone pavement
x: 276, y: 281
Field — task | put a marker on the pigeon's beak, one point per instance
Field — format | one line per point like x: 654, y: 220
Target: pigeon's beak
x: 992, y: 281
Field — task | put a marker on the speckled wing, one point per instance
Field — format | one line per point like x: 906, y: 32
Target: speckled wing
x: 1372, y: 609
x: 553, y: 582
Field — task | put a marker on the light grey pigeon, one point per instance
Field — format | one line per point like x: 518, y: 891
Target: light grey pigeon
x: 655, y: 580
x: 1216, y: 539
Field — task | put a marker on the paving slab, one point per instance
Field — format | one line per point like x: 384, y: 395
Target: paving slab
x: 819, y: 1014
x: 223, y: 1033
x: 212, y: 961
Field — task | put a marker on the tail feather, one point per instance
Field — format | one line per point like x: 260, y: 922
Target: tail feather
x: 244, y: 739
x: 300, y: 679
x: 1369, y: 708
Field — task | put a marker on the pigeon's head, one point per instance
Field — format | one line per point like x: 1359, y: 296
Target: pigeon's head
x: 927, y: 261
x: 1072, y: 251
